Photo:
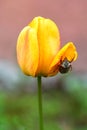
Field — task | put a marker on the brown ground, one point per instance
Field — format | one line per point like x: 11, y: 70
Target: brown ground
x: 69, y: 15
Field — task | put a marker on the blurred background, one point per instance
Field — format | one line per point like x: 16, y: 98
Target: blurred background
x: 64, y: 96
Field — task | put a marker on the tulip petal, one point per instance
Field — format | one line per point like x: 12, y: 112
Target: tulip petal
x: 68, y: 51
x: 48, y: 42
x: 27, y: 51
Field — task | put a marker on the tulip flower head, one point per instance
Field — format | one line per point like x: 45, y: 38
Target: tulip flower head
x: 39, y: 52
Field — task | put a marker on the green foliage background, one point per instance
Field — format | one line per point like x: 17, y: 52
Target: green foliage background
x: 64, y: 103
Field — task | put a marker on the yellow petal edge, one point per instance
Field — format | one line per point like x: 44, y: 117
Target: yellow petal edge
x: 68, y: 51
x: 27, y: 51
x: 48, y: 41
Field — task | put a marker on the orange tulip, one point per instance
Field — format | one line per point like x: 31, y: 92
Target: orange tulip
x: 38, y: 48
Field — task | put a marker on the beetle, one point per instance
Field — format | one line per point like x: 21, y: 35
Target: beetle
x: 65, y: 66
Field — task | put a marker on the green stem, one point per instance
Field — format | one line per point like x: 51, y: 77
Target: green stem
x: 40, y: 102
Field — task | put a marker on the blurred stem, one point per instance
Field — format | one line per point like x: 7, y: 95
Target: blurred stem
x: 40, y: 102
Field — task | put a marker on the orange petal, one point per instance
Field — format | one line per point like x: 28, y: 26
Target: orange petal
x: 68, y: 51
x: 27, y: 51
x: 48, y: 41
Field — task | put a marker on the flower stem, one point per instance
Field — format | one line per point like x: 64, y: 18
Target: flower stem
x: 40, y: 102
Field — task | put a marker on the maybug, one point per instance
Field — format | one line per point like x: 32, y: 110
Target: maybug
x: 65, y: 66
